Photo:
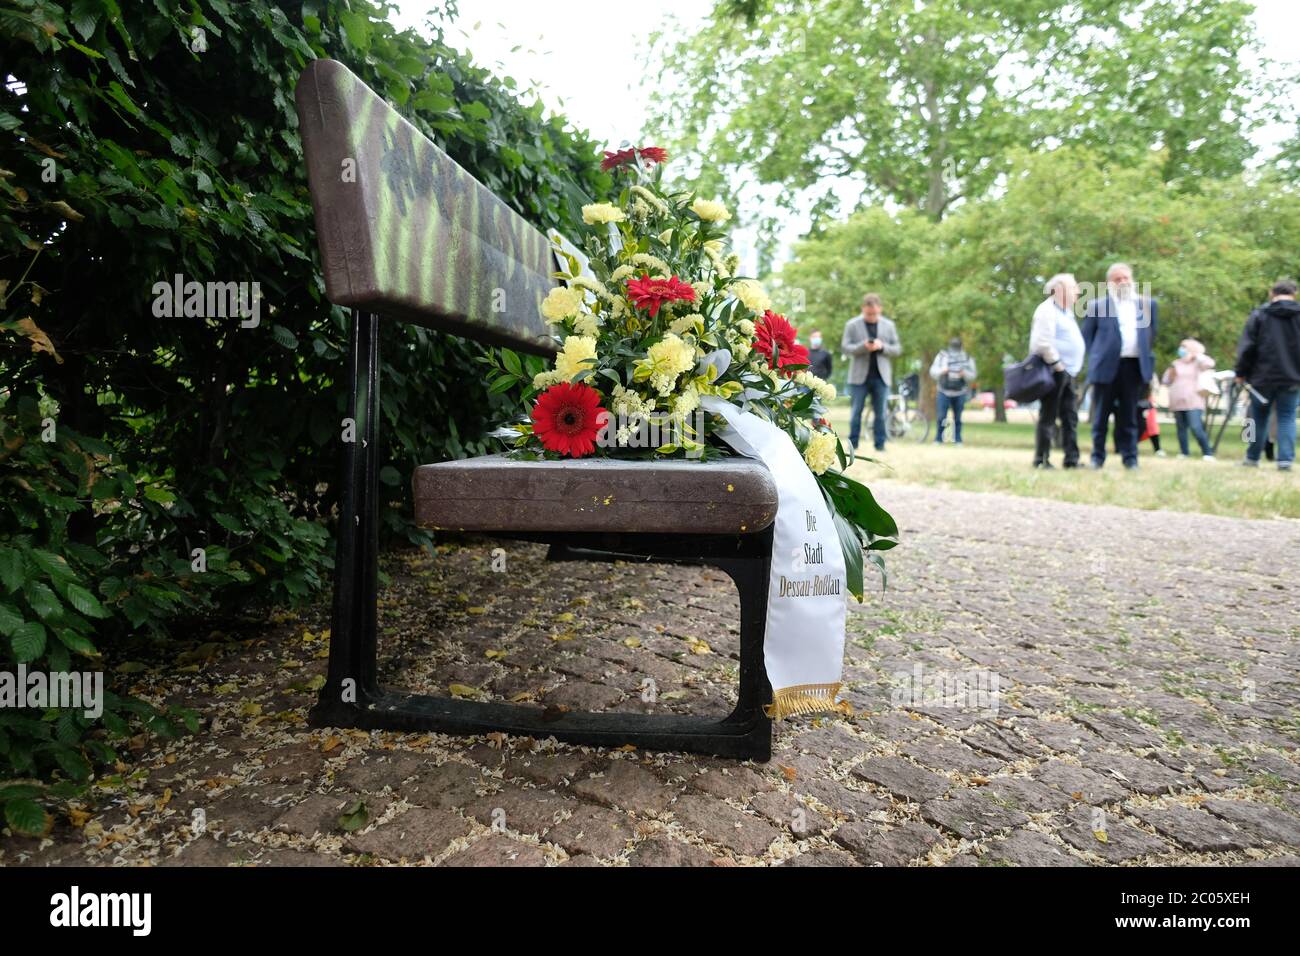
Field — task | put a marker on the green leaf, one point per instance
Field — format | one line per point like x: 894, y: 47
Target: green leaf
x: 10, y: 619
x: 284, y: 337
x: 228, y: 522
x: 85, y: 16
x: 11, y: 568
x: 410, y: 65
x: 74, y: 641
x: 851, y: 546
x: 28, y: 641
x: 354, y: 817
x: 55, y: 565
x: 432, y: 101
x: 43, y: 600
x: 855, y: 501
x: 72, y: 762
x: 84, y: 601
x: 357, y: 27
x: 25, y: 816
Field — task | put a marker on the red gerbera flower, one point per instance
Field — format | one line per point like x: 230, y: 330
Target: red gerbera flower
x: 650, y: 293
x: 773, y: 332
x: 617, y: 158
x: 621, y: 157
x: 568, y: 417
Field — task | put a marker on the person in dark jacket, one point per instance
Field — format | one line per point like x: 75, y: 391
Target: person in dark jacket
x: 1268, y: 362
x: 1119, y: 333
x: 819, y: 360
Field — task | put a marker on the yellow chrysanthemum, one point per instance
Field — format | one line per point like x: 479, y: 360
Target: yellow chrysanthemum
x: 692, y: 322
x: 578, y: 349
x: 710, y: 210
x: 823, y: 389
x: 820, y: 453
x: 601, y: 212
x: 687, y: 402
x: 561, y: 303
x: 586, y: 324
x: 666, y: 360
x: 751, y: 294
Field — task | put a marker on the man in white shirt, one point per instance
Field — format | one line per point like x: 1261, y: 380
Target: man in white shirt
x: 1056, y: 338
x: 1119, y: 332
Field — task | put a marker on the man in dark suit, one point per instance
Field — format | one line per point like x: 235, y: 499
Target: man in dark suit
x: 1119, y: 332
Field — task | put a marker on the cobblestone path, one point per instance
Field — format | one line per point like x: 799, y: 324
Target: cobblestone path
x: 1042, y: 683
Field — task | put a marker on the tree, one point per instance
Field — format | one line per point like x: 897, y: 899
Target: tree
x: 1207, y: 256
x: 922, y: 104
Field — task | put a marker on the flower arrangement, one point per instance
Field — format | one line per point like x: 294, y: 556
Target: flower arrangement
x: 657, y: 320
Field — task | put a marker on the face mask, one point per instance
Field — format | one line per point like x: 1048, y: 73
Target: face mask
x: 1182, y: 352
x: 816, y: 341
x: 954, y: 345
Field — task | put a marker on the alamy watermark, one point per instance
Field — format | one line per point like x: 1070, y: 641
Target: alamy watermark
x: 61, y: 689
x: 653, y: 431
x: 192, y: 299
x: 973, y: 689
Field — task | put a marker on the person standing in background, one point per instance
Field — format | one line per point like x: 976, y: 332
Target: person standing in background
x: 1268, y: 361
x: 1119, y: 332
x: 1055, y: 337
x: 1183, y: 377
x: 953, y: 371
x: 819, y: 359
x: 871, y: 341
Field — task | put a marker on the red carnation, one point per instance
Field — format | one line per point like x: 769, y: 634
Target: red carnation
x: 655, y: 154
x: 650, y: 293
x: 773, y: 332
x: 568, y: 417
x: 617, y: 158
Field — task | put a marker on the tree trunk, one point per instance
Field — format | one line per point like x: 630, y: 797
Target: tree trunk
x: 927, y: 401
x: 999, y: 405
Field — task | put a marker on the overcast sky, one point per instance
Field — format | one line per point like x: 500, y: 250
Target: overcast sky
x: 583, y: 57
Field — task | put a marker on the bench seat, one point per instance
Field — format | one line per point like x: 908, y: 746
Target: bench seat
x: 497, y: 493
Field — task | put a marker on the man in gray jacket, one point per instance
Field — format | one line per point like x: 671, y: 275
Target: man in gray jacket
x: 871, y: 341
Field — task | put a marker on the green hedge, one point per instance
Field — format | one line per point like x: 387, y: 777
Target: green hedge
x: 147, y: 139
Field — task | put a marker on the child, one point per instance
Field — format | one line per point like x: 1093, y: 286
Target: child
x: 1186, y: 400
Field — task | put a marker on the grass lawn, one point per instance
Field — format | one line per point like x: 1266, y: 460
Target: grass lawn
x: 999, y: 457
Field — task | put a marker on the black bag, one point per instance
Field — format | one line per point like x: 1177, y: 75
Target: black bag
x: 1028, y: 381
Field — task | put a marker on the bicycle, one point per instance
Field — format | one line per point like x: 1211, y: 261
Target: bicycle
x: 903, y: 419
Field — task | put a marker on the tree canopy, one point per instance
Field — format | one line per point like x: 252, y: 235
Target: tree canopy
x: 922, y: 104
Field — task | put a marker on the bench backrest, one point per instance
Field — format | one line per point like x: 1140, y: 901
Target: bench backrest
x: 406, y: 232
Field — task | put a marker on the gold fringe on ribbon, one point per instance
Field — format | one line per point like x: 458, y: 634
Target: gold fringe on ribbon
x: 807, y: 699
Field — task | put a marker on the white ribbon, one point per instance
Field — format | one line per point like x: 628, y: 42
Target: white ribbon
x: 804, y: 647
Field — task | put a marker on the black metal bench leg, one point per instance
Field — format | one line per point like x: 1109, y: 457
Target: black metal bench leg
x: 351, y: 681
x: 755, y: 693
